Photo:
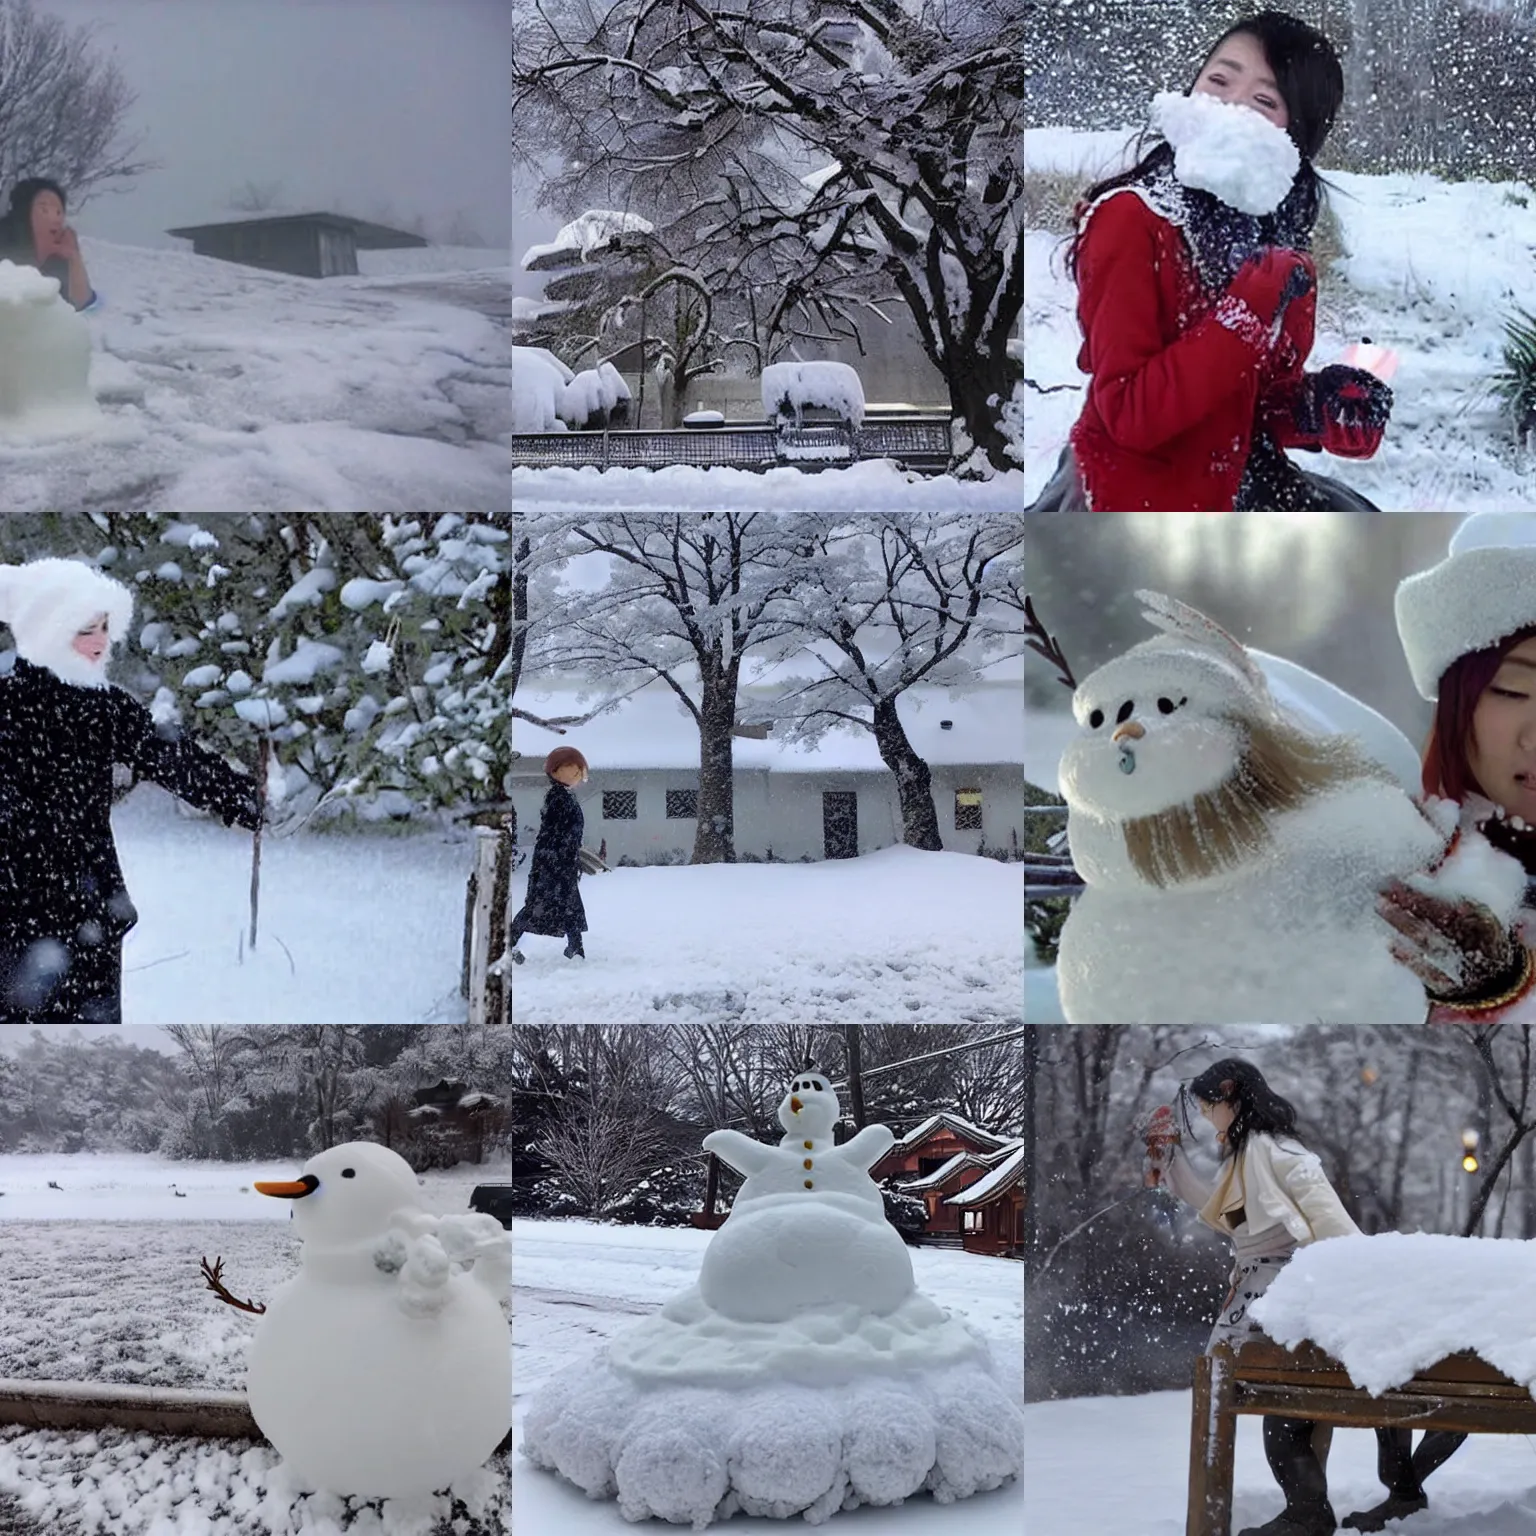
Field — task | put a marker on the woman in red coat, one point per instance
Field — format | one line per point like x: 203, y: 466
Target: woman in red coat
x: 1197, y: 299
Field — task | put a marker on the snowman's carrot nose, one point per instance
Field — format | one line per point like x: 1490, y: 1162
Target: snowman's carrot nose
x: 289, y: 1189
x: 794, y: 1106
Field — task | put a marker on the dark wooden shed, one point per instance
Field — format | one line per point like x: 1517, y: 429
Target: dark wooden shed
x: 305, y: 244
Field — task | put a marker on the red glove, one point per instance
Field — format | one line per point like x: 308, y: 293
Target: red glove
x: 1351, y: 408
x: 1266, y: 283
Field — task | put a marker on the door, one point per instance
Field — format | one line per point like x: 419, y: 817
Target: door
x: 840, y: 823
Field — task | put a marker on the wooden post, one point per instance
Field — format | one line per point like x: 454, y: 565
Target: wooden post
x: 1212, y: 1446
x: 261, y: 803
x: 486, y: 839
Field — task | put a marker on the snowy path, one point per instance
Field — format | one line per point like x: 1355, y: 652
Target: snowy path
x: 373, y: 923
x: 1119, y: 1466
x: 226, y: 388
x: 646, y: 1265
x: 893, y: 936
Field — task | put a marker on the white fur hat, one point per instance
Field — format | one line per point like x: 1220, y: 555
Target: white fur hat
x: 47, y: 602
x: 1483, y: 591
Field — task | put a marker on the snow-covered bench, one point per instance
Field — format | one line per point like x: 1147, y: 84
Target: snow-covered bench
x: 1367, y: 1331
x: 1461, y: 1392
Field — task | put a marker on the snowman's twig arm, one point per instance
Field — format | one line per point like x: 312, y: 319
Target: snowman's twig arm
x: 741, y: 1152
x: 213, y: 1276
x: 868, y: 1147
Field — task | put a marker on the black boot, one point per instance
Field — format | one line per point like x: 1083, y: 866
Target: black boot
x: 574, y: 951
x: 1288, y: 1449
x: 517, y: 954
x: 1404, y: 1473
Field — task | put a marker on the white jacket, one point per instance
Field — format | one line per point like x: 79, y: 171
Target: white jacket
x: 1274, y: 1183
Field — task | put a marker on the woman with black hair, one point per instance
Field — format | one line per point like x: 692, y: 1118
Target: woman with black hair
x: 35, y: 235
x: 1270, y: 1198
x: 1197, y: 299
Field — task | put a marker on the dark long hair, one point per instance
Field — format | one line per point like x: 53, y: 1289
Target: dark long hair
x: 1446, y: 770
x: 1258, y: 1107
x: 16, y: 243
x: 1311, y: 83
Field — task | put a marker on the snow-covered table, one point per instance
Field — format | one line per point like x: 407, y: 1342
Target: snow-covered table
x: 1460, y: 1392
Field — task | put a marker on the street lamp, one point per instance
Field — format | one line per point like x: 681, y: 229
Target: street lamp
x: 1469, y: 1162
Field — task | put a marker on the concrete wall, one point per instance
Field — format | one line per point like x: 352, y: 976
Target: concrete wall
x: 778, y: 811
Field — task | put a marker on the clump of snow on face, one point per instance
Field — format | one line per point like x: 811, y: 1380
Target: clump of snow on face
x: 1390, y: 1305
x: 790, y: 389
x: 1230, y: 151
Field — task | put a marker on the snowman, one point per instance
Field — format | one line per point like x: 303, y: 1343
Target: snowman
x: 803, y: 1375
x: 808, y: 1227
x: 1233, y: 852
x: 45, y: 359
x: 383, y: 1369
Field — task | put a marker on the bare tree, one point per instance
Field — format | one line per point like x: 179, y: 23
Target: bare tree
x: 63, y: 106
x: 256, y: 196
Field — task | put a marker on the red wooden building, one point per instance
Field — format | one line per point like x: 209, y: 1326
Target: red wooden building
x: 970, y: 1179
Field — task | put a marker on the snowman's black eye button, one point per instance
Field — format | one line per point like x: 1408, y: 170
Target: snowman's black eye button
x: 1166, y: 706
x: 349, y: 1173
x: 1096, y: 719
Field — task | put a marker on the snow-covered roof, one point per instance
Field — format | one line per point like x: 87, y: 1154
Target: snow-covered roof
x: 946, y: 1170
x: 1004, y: 1176
x: 920, y: 1133
x: 578, y: 239
x: 651, y: 729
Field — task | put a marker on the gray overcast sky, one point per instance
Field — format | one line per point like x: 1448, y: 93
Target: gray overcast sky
x: 349, y: 102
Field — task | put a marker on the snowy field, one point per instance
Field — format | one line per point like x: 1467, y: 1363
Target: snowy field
x: 1119, y: 1466
x: 99, y: 1281
x: 897, y: 935
x: 373, y: 923
x: 226, y: 388
x: 1439, y: 302
x: 577, y: 1283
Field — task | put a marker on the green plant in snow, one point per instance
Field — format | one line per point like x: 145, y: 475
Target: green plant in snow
x: 1515, y: 382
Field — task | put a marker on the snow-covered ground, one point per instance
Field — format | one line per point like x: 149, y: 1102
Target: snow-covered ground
x: 1432, y: 269
x: 373, y: 922
x: 577, y: 1283
x: 875, y: 486
x: 894, y: 935
x: 1120, y: 1466
x: 99, y: 1281
x: 226, y: 388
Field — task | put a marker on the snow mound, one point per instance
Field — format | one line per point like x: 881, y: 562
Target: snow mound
x: 696, y: 1454
x: 45, y: 360
x: 789, y: 389
x: 1390, y: 1305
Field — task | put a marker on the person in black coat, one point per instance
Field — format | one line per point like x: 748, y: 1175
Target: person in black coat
x: 552, y: 905
x: 64, y: 909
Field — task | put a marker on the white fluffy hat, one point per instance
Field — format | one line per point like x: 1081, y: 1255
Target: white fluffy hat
x: 1482, y: 592
x: 47, y: 602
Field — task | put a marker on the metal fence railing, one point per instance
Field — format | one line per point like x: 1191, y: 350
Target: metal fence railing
x: 917, y: 443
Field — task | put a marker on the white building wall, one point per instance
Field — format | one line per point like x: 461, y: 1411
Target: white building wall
x: 778, y: 811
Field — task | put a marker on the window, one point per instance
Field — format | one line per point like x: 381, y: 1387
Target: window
x: 682, y: 803
x: 975, y: 1221
x: 620, y: 805
x: 967, y: 810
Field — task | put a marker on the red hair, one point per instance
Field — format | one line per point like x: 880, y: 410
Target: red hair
x: 1446, y: 769
x: 564, y: 757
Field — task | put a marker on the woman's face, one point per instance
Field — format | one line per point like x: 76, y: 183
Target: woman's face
x: 47, y: 220
x: 92, y: 642
x: 1239, y: 73
x: 1221, y: 1116
x: 1502, y: 752
x: 570, y: 773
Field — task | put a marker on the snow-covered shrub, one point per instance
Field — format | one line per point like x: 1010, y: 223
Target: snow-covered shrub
x: 539, y: 381
x: 1515, y: 383
x: 596, y: 398
x: 791, y: 389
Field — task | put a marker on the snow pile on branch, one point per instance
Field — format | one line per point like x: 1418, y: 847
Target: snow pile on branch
x: 590, y: 232
x: 1391, y: 1305
x: 789, y: 389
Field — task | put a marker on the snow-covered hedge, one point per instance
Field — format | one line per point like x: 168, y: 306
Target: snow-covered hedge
x: 790, y: 389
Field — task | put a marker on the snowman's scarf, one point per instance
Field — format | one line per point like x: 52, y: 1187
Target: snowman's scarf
x: 1183, y: 186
